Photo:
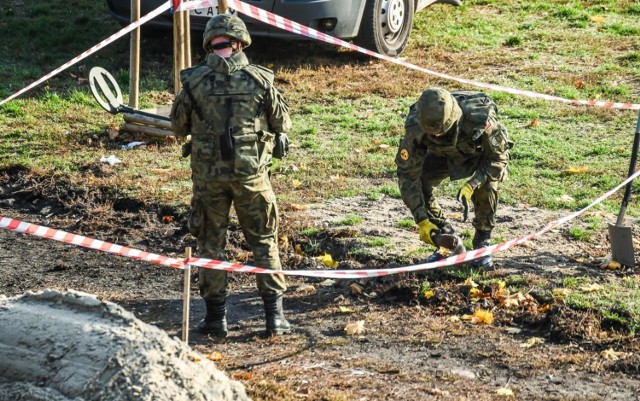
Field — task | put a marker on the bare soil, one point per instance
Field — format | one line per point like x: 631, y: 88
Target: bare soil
x: 410, y: 348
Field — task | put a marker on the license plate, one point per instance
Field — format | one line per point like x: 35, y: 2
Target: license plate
x: 209, y: 11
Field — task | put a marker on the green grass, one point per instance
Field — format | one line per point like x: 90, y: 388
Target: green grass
x: 350, y: 220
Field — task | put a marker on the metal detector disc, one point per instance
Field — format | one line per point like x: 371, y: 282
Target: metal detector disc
x: 622, y: 244
x: 103, y: 86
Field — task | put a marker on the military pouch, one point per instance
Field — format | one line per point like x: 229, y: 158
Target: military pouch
x: 196, y: 219
x: 281, y: 146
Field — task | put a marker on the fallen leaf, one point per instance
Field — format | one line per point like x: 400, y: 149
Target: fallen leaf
x: 531, y: 342
x: 195, y: 358
x: 215, y: 356
x: 167, y: 219
x: 565, y: 199
x: 327, y: 283
x: 544, y: 308
x: 577, y: 170
x: 597, y: 18
x: 503, y: 391
x: 328, y: 261
x: 534, y: 123
x: 610, y: 354
x: 298, y: 207
x: 470, y: 282
x: 592, y: 288
x: 482, y: 316
x: 355, y: 288
x: 612, y: 265
x: 284, y: 242
x: 298, y: 250
x: 344, y: 309
x: 296, y: 183
x: 428, y: 294
x: 306, y: 289
x: 475, y: 293
x: 579, y: 84
x: 243, y: 376
x: 355, y: 328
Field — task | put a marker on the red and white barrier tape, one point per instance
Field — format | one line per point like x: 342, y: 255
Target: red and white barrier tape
x: 294, y: 27
x: 164, y: 7
x: 62, y: 236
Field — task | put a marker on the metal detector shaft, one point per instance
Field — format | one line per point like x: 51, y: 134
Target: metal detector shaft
x: 127, y: 109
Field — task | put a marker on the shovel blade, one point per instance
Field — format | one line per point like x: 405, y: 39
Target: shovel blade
x: 622, y: 245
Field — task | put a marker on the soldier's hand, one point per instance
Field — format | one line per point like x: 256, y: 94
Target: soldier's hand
x: 427, y: 228
x: 464, y: 196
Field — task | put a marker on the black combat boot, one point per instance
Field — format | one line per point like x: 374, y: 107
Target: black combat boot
x: 276, y: 322
x: 482, y: 239
x: 215, y: 323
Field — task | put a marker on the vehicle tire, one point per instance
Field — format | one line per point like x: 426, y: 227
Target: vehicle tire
x: 386, y: 25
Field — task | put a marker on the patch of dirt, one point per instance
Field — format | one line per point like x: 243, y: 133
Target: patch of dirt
x: 413, y: 347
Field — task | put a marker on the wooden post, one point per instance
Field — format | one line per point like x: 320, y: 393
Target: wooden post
x: 177, y: 50
x: 185, y: 297
x: 187, y: 40
x: 134, y: 57
x: 222, y: 7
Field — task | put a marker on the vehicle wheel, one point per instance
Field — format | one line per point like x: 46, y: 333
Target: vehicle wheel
x: 386, y: 25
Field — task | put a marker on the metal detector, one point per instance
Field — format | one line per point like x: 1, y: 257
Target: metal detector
x: 621, y: 236
x: 107, y: 93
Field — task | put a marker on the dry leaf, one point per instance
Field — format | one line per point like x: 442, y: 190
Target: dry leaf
x: 328, y: 261
x: 612, y: 265
x: 470, y: 282
x: 195, y: 358
x: 611, y: 355
x: 577, y: 170
x: 306, y: 289
x: 544, y: 308
x: 298, y: 250
x: 296, y: 183
x: 480, y: 316
x: 592, y: 288
x: 475, y: 293
x: 243, y: 376
x: 534, y: 123
x: 284, y: 242
x: 597, y: 18
x: 565, y: 199
x: 531, y: 342
x: 355, y: 289
x: 298, y: 207
x: 355, y: 328
x: 344, y: 309
x: 215, y: 356
x: 428, y: 294
x: 579, y: 84
x: 167, y: 219
x: 507, y: 392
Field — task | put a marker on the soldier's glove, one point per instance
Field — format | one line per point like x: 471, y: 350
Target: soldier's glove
x: 186, y: 149
x: 464, y: 196
x: 427, y: 228
x: 281, y: 146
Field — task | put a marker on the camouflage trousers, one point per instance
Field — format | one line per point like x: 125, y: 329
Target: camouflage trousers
x: 255, y: 204
x: 484, y: 198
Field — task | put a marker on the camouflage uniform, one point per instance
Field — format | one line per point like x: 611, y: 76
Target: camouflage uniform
x: 477, y: 146
x: 232, y: 110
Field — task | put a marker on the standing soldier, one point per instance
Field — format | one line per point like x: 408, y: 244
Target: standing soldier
x: 235, y: 117
x: 455, y: 135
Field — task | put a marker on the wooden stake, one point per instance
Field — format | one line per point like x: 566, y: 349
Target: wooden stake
x: 134, y: 57
x: 147, y: 130
x: 185, y: 297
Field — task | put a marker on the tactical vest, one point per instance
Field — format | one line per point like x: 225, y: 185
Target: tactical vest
x: 460, y: 145
x: 229, y: 132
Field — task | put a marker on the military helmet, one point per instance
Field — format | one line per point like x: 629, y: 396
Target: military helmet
x: 226, y: 25
x: 437, y: 111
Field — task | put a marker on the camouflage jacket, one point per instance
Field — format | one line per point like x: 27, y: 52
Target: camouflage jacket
x: 477, y: 147
x: 232, y: 111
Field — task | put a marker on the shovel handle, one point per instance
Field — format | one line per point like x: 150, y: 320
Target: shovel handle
x: 632, y: 169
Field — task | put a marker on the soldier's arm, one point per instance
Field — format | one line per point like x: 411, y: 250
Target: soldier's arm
x: 495, y: 145
x: 410, y: 159
x: 277, y: 111
x: 181, y: 115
